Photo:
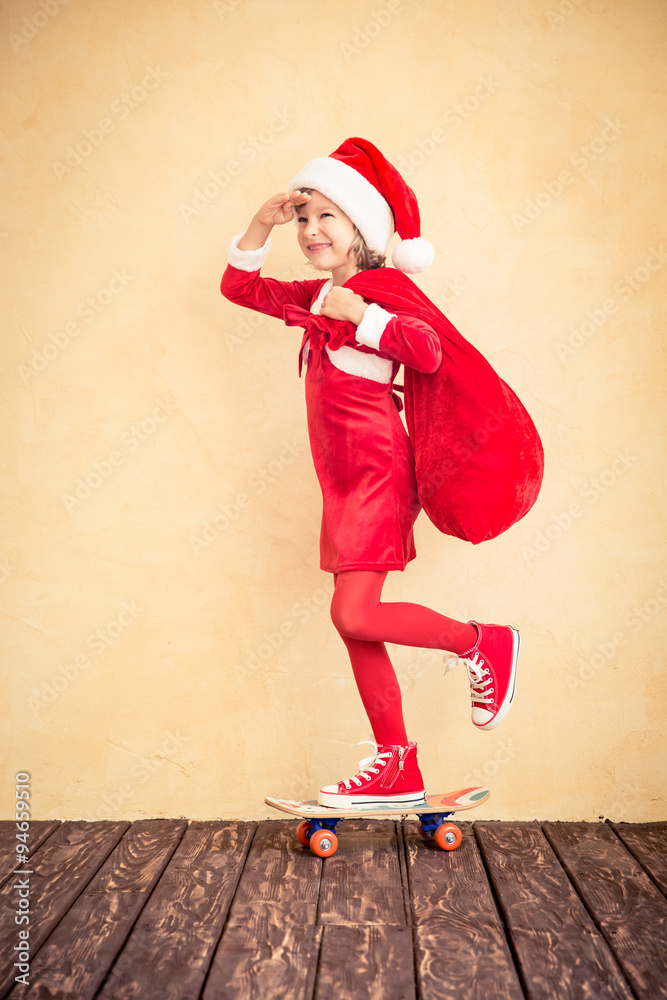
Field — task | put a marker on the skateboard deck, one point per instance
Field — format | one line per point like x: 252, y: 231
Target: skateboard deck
x: 317, y: 830
x: 448, y: 802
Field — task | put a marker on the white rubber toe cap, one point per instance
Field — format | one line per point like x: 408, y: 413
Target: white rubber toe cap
x: 480, y: 716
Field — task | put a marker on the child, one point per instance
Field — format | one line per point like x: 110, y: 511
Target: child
x: 346, y: 207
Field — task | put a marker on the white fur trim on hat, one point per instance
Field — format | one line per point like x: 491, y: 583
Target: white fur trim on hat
x: 413, y: 256
x: 356, y: 196
x: 247, y: 260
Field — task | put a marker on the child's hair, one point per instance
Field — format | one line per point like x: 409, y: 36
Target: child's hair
x: 366, y: 258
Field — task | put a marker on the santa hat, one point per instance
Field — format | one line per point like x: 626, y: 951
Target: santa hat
x: 372, y: 193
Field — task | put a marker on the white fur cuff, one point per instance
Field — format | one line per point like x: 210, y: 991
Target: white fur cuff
x: 247, y: 260
x: 371, y: 328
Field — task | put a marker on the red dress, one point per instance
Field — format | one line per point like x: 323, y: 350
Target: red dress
x: 360, y: 448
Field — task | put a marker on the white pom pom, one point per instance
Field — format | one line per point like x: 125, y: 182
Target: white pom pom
x: 413, y: 256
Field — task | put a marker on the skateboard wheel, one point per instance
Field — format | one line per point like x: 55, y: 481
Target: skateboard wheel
x: 425, y: 833
x: 303, y: 833
x: 448, y: 837
x: 324, y: 843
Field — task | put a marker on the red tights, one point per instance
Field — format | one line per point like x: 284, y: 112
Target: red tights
x: 365, y: 624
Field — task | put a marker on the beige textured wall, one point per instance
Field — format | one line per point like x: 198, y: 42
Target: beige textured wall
x: 167, y: 646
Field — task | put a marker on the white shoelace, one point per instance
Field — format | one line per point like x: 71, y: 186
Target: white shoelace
x: 478, y: 675
x: 366, y: 768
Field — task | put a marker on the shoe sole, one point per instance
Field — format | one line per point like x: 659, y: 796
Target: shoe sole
x: 511, y: 690
x: 349, y: 802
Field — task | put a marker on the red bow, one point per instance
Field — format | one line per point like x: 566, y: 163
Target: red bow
x: 320, y: 329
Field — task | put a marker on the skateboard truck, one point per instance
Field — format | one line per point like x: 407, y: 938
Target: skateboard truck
x: 320, y: 834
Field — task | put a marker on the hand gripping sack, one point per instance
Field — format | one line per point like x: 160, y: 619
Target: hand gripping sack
x: 479, y: 460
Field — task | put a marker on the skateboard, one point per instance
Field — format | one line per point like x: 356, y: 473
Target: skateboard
x: 318, y: 827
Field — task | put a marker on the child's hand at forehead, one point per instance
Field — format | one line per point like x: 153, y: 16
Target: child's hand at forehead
x: 279, y: 209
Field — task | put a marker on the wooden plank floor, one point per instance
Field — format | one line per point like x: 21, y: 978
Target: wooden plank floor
x: 161, y: 909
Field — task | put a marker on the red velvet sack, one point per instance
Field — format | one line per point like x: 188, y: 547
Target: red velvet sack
x: 479, y: 459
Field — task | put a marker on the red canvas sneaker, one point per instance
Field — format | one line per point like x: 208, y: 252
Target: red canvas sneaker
x: 390, y: 775
x: 491, y: 665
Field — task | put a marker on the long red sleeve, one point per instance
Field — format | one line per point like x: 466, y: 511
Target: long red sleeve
x: 411, y: 342
x: 405, y: 339
x: 267, y: 295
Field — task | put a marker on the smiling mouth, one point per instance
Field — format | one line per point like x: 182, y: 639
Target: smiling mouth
x: 315, y: 247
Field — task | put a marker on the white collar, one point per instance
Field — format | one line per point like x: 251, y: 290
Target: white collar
x: 326, y: 287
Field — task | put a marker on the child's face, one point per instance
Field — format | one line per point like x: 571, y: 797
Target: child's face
x: 325, y: 234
